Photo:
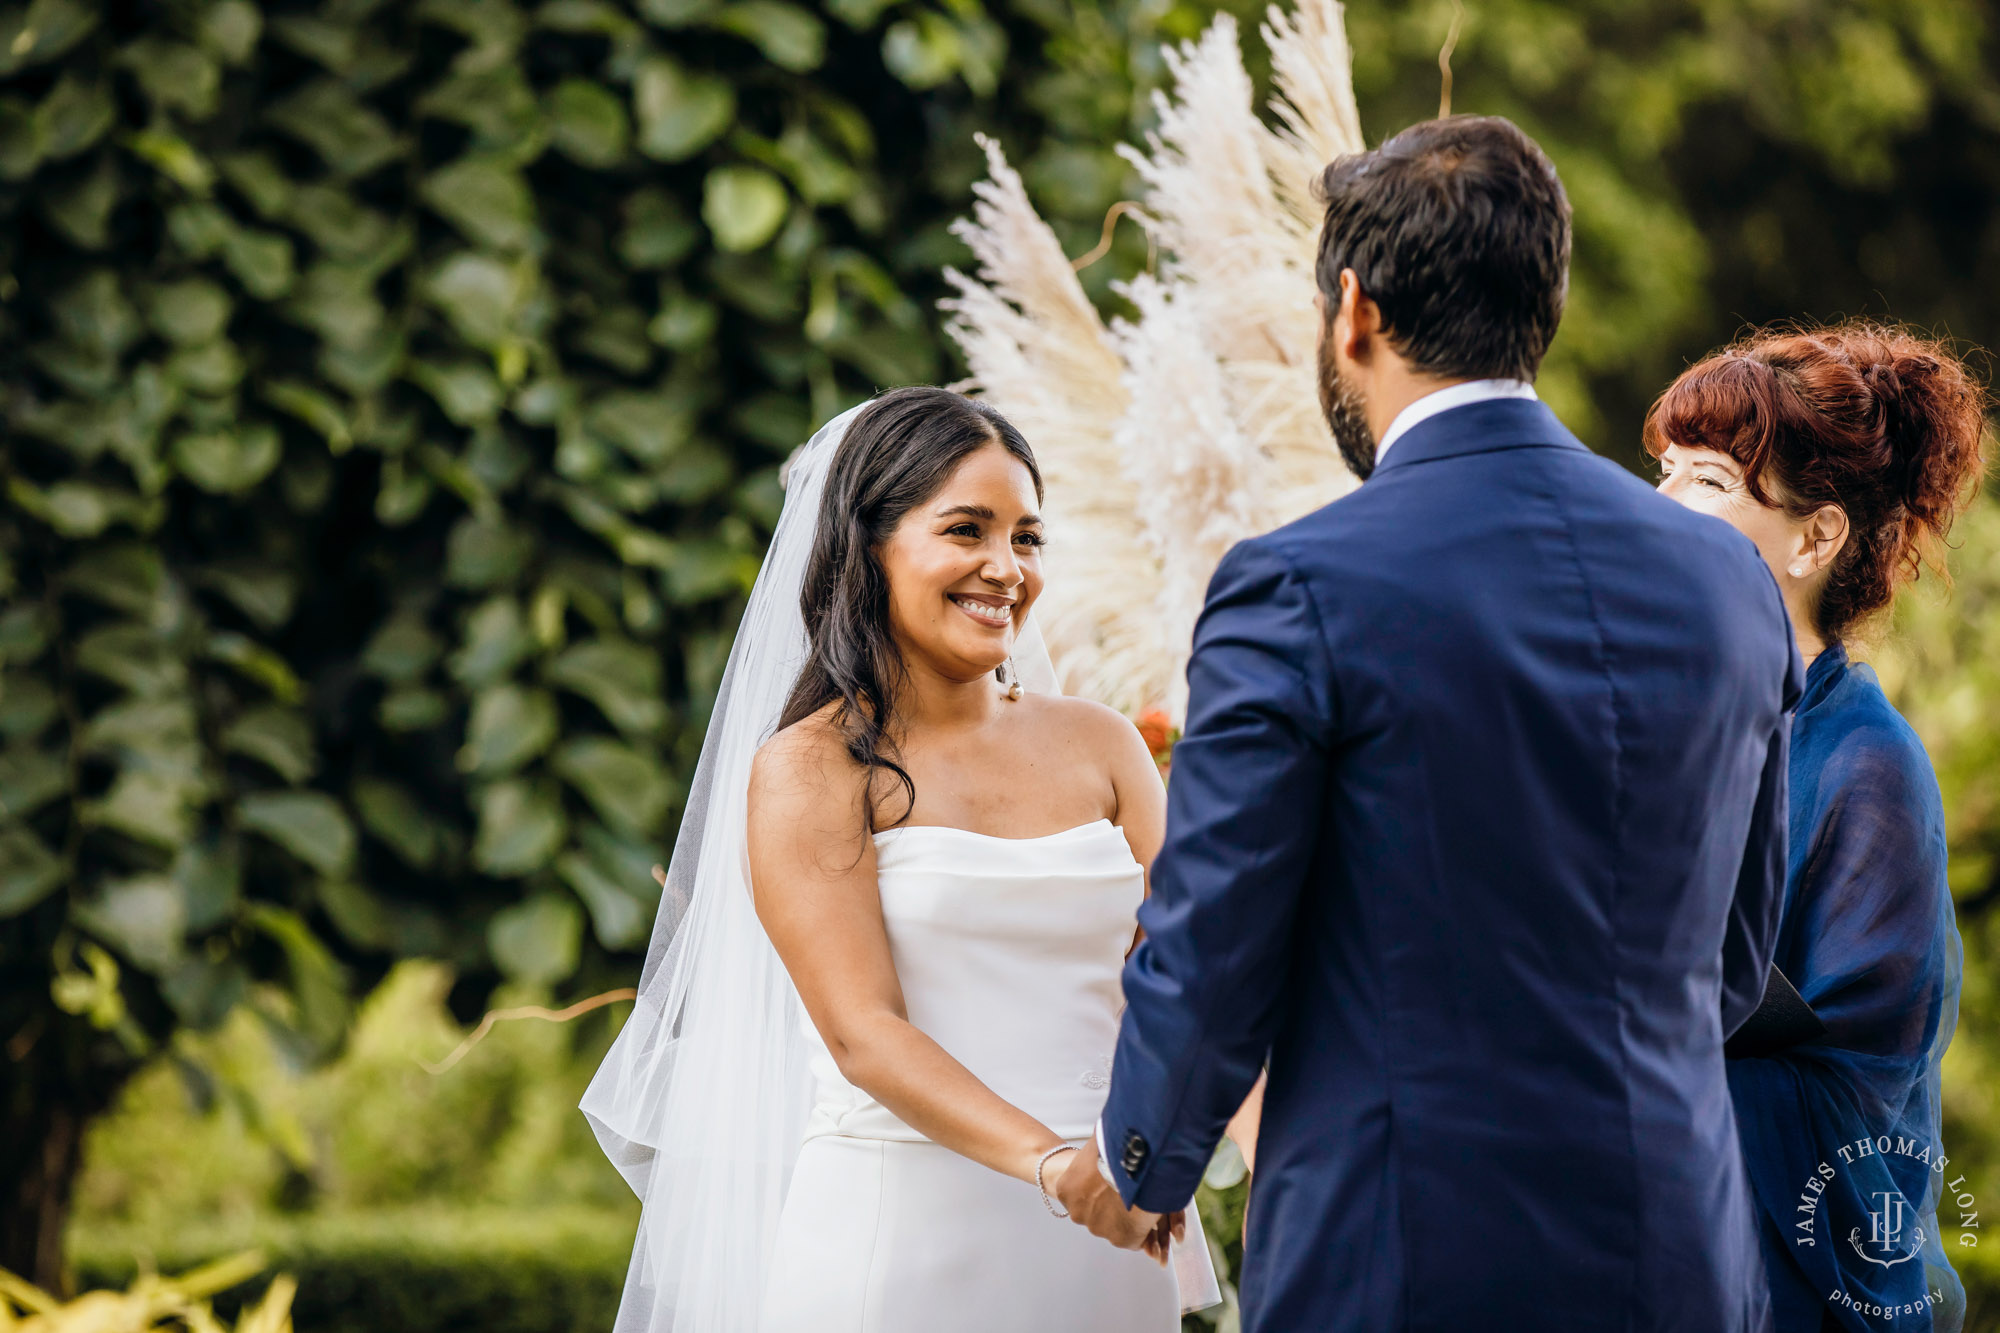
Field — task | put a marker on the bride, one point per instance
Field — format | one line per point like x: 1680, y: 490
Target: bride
x: 878, y: 1012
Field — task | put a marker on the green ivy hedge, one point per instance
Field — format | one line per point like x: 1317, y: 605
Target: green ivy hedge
x: 394, y: 395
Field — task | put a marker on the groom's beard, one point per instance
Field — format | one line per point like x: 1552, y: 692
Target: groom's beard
x: 1346, y: 418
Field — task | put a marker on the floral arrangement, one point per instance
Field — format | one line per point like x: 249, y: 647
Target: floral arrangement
x: 1168, y: 437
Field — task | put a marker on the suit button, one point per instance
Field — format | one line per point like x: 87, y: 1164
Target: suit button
x: 1136, y: 1152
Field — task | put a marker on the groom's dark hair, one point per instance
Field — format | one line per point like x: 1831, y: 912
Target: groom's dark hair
x: 1459, y: 230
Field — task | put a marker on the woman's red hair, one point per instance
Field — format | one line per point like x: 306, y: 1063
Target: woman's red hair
x: 1871, y: 417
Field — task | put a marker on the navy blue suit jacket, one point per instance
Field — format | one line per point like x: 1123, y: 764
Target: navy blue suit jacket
x: 1476, y: 836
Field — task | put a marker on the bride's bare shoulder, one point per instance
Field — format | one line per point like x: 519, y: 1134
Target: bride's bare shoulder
x: 1101, y: 729
x: 1069, y: 710
x: 803, y: 764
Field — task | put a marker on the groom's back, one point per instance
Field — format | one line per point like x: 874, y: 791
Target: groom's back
x: 1497, y: 1091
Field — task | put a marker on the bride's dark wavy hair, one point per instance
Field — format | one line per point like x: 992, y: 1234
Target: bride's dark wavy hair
x: 897, y: 454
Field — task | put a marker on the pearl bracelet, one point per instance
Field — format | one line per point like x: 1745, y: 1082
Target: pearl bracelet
x: 1047, y: 1202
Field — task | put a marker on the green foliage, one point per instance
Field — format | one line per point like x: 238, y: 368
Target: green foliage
x: 401, y: 1199
x: 229, y: 1127
x: 1941, y: 666
x: 395, y: 396
x: 427, y: 1271
x: 1727, y: 163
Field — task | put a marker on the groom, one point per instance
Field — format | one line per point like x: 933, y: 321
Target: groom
x: 1476, y: 834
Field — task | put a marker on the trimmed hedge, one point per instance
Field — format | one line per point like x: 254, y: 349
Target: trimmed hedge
x: 539, y: 1271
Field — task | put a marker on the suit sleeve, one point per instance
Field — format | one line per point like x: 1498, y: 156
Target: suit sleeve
x: 1760, y: 892
x: 1244, y: 818
x: 1760, y: 882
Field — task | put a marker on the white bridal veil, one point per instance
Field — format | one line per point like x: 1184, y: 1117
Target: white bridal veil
x: 701, y: 1102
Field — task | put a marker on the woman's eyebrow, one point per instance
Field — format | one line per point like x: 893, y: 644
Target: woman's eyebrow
x: 970, y: 511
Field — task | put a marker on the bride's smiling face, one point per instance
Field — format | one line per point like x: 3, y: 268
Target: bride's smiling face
x: 965, y: 566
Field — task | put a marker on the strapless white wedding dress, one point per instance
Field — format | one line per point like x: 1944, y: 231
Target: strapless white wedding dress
x: 1009, y: 953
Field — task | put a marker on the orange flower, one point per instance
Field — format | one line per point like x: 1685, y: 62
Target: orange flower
x: 1157, y: 730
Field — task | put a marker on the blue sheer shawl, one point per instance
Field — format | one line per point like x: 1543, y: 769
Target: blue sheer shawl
x: 1841, y: 1135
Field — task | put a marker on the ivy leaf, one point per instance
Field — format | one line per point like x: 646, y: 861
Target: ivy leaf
x: 631, y: 791
x: 589, y: 123
x: 352, y: 139
x: 20, y: 139
x: 789, y: 37
x: 520, y: 829
x: 743, y: 206
x: 29, y: 871
x: 620, y: 677
x: 258, y: 178
x: 619, y: 920
x: 81, y: 209
x: 29, y: 779
x: 133, y: 656
x: 156, y: 808
x: 174, y: 158
x: 496, y: 641
x: 143, y: 918
x: 657, y: 234
x: 466, y: 390
x: 210, y: 874
x: 46, y: 30
x: 479, y: 294
x: 486, y: 553
x: 679, y: 113
x: 675, y: 13
x: 227, y: 463
x: 27, y: 705
x: 342, y: 226
x: 279, y: 738
x: 203, y: 991
x: 212, y: 370
x: 923, y: 52
x: 393, y: 814
x: 404, y: 710
x: 126, y: 577
x: 74, y: 115
x: 318, y: 985
x: 174, y: 76
x: 509, y: 726
x: 403, y: 649
x: 315, y: 408
x: 649, y: 427
x: 308, y: 824
x: 486, y: 200
x: 255, y: 662
x: 230, y: 28
x: 93, y: 313
x: 260, y: 260
x: 536, y: 942
x: 190, y: 312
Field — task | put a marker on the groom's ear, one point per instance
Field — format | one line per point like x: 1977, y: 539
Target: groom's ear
x: 1356, y: 321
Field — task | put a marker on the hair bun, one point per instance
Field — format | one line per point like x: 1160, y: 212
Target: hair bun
x: 1883, y: 381
x: 1883, y: 421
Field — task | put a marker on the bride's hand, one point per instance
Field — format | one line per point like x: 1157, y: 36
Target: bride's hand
x: 1171, y: 1227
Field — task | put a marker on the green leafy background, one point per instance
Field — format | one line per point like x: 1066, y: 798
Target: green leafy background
x: 393, y: 396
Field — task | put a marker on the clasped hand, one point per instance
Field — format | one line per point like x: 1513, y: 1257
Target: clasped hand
x: 1093, y: 1204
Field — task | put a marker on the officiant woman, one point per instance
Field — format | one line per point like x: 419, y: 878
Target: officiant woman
x: 1844, y: 453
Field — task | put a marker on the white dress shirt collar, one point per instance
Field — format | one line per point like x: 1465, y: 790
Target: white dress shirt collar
x: 1443, y: 400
